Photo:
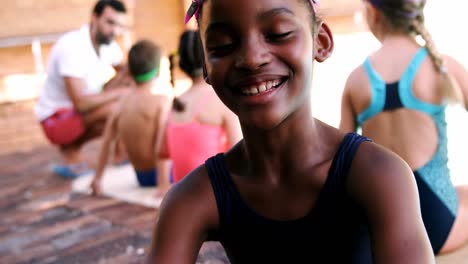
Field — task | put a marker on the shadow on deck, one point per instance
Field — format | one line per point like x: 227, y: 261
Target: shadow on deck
x: 42, y: 221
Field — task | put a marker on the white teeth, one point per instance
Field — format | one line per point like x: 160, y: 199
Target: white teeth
x: 253, y: 90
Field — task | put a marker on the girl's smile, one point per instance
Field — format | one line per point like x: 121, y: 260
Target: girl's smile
x: 258, y: 89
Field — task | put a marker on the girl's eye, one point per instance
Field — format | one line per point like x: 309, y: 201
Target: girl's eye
x: 220, y: 50
x: 279, y: 37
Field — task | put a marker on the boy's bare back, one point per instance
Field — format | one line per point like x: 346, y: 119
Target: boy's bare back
x: 137, y: 126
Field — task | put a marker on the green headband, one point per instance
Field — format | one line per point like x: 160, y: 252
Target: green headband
x: 147, y: 76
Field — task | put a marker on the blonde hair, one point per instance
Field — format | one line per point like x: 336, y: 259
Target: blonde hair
x: 408, y: 16
x: 449, y: 86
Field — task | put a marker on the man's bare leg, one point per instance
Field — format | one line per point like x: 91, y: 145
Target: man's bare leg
x: 71, y: 154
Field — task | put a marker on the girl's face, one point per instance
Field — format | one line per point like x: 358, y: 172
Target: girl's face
x: 259, y: 57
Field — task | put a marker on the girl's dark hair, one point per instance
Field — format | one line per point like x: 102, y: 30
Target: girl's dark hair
x: 408, y: 16
x: 114, y: 4
x: 143, y: 57
x: 316, y: 19
x: 190, y: 55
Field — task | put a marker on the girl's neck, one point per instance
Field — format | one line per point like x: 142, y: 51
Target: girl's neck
x: 199, y: 85
x: 198, y: 81
x: 293, y: 145
x: 397, y: 39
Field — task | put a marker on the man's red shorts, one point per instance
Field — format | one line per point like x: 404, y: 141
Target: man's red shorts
x: 63, y: 127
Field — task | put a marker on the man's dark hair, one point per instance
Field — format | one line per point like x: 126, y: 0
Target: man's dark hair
x: 143, y: 57
x: 114, y: 4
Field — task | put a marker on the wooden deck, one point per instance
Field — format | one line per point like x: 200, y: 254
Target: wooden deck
x: 42, y: 221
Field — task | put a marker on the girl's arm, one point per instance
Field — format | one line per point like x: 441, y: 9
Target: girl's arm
x: 161, y: 151
x: 187, y: 213
x: 348, y: 116
x: 461, y: 76
x: 384, y: 185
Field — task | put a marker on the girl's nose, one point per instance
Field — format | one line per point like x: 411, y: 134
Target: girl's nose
x: 253, y: 54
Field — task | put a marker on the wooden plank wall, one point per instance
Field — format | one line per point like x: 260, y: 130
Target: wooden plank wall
x: 32, y: 17
x: 159, y: 21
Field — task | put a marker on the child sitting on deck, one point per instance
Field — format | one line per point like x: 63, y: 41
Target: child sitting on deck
x: 137, y: 118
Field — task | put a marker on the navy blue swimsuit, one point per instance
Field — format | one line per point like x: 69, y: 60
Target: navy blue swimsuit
x: 437, y: 194
x: 334, y: 231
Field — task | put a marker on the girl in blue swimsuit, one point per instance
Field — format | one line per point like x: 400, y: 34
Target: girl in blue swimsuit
x: 398, y: 97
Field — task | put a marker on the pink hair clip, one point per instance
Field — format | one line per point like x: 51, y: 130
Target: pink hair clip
x: 193, y: 10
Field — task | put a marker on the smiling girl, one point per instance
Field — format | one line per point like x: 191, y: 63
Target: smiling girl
x: 294, y: 190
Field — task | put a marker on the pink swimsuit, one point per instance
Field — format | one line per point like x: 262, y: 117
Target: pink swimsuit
x: 190, y: 144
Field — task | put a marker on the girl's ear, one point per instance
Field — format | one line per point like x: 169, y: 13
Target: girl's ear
x: 323, y: 43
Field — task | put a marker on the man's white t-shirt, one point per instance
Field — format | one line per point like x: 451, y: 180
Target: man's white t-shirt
x: 74, y: 56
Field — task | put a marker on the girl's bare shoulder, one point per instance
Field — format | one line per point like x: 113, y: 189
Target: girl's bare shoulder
x: 375, y: 167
